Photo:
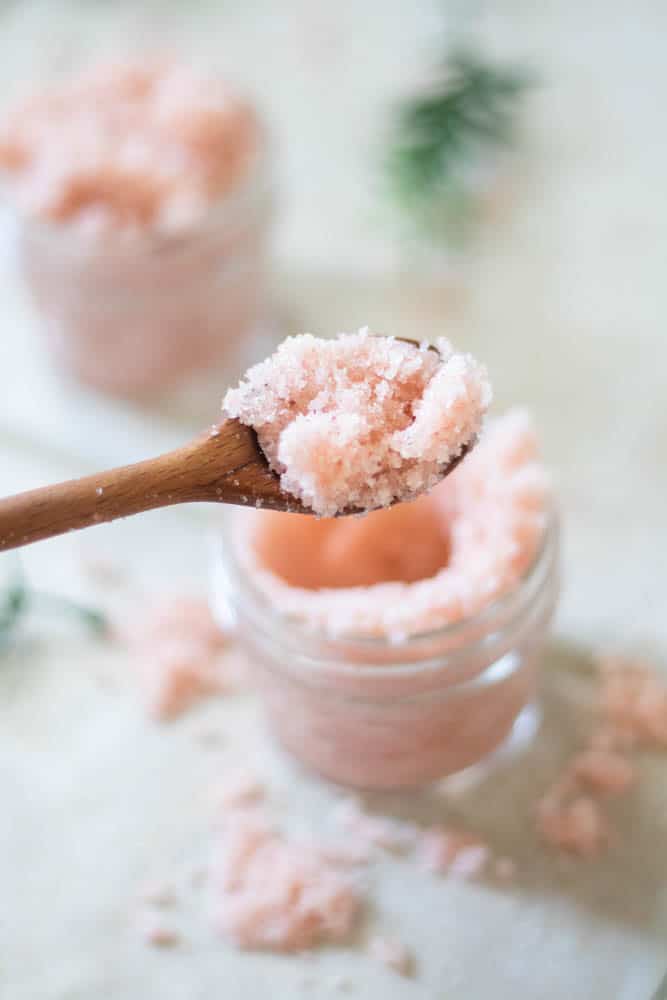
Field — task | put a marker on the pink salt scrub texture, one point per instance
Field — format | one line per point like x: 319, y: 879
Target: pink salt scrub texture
x: 361, y: 421
x: 127, y: 147
x: 632, y: 712
x: 367, y: 831
x: 576, y: 824
x: 569, y: 816
x: 141, y: 193
x: 452, y: 852
x: 277, y: 893
x: 604, y: 771
x: 238, y: 788
x: 392, y: 953
x: 438, y: 850
x: 156, y: 932
x: 504, y: 869
x: 633, y: 701
x: 408, y: 571
x: 470, y: 540
x: 177, y: 646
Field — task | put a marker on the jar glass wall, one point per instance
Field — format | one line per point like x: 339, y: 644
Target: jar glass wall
x: 135, y: 316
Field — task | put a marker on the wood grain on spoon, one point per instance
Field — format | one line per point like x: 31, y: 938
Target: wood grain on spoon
x: 224, y: 465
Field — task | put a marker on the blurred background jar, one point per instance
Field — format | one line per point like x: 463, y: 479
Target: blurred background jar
x: 142, y: 203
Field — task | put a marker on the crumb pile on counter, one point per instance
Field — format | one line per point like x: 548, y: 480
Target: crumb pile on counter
x: 176, y: 646
x: 631, y: 714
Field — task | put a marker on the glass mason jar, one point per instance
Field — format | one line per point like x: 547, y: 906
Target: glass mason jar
x: 135, y: 316
x: 377, y: 714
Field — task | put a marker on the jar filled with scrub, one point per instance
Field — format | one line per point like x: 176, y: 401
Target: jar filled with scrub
x: 141, y: 196
x: 402, y: 647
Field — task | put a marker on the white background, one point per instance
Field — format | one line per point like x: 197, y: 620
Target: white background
x: 564, y: 298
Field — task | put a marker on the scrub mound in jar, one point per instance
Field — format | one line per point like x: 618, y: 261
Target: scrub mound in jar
x: 127, y: 147
x: 416, y: 567
x: 361, y: 421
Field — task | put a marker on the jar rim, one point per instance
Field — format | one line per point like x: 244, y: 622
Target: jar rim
x: 499, y: 614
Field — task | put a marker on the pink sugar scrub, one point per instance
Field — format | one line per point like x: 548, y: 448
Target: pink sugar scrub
x: 397, y: 648
x: 633, y: 702
x: 156, y: 933
x: 276, y: 893
x: 127, y: 147
x: 573, y: 823
x: 361, y: 421
x: 142, y: 200
x: 392, y: 953
x: 437, y: 850
x: 177, y: 647
x: 238, y: 789
x: 458, y: 853
x: 366, y: 832
x: 632, y: 713
x: 416, y: 567
x: 604, y: 771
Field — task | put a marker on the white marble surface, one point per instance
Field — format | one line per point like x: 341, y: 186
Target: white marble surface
x: 565, y: 299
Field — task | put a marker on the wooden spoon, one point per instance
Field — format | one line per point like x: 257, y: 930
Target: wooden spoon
x: 225, y: 465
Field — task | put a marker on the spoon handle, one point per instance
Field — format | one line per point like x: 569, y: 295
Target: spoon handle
x: 213, y: 467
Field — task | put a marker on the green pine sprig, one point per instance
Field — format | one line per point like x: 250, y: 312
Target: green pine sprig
x: 19, y: 599
x: 13, y: 604
x: 439, y: 136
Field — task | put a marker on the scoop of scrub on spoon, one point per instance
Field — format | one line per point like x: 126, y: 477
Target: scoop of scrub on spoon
x: 360, y: 422
x: 341, y: 429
